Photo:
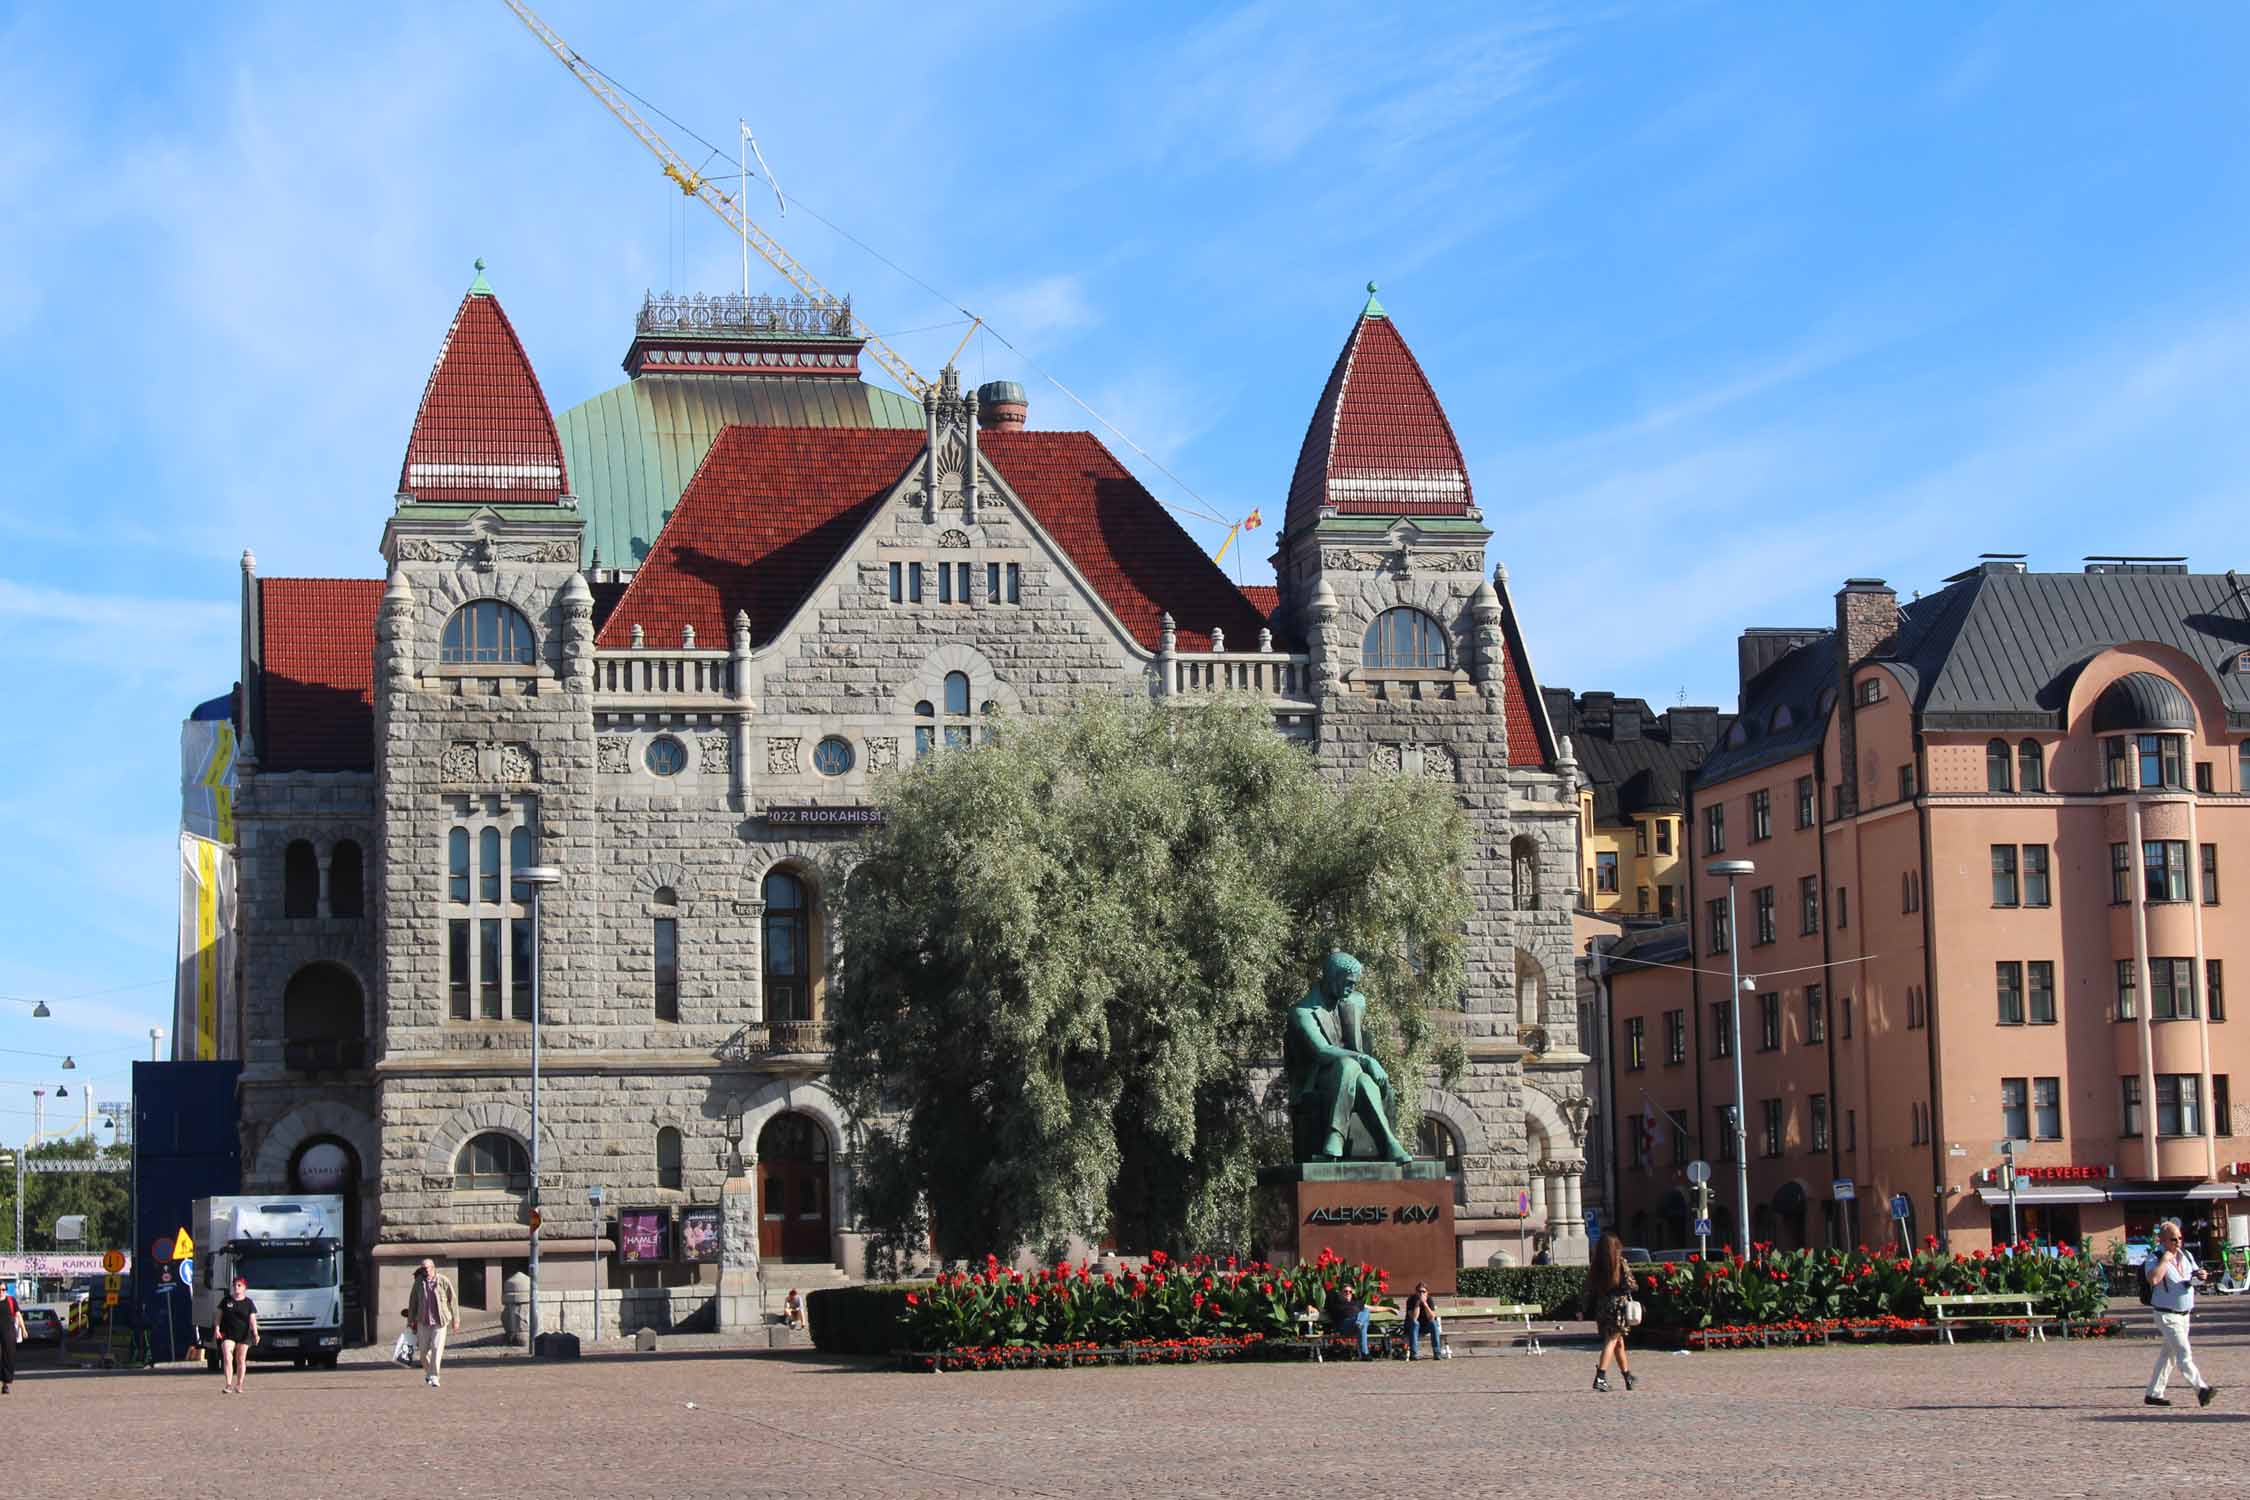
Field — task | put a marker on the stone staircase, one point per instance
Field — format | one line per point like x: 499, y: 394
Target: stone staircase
x: 807, y: 1278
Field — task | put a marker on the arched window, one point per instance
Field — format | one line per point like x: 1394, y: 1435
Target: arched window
x: 667, y: 946
x: 300, y: 880
x: 954, y: 730
x: 457, y: 866
x: 1996, y: 767
x: 492, y: 1161
x: 1403, y: 637
x: 788, y: 944
x: 1523, y: 865
x: 2031, y: 767
x: 488, y: 866
x: 669, y: 1171
x: 323, y: 1023
x: 1435, y: 1141
x: 346, y: 894
x: 486, y: 631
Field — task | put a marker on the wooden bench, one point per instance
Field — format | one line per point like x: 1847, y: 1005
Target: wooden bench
x: 1497, y: 1315
x: 1949, y: 1315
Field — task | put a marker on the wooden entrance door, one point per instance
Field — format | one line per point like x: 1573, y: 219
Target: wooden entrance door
x: 793, y: 1218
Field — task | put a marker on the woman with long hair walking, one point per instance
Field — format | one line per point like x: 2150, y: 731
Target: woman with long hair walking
x: 1609, y: 1290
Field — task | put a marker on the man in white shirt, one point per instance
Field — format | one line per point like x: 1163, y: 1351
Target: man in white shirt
x: 2172, y: 1274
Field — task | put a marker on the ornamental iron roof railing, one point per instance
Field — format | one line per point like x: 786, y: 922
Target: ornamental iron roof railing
x: 785, y: 317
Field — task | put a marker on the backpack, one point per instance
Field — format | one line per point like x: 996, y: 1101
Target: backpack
x: 2148, y: 1284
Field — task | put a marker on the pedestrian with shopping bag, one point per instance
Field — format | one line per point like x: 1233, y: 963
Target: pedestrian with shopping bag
x: 432, y: 1311
x: 2170, y: 1277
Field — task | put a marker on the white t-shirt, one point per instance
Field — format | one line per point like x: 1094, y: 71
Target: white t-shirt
x: 2175, y: 1290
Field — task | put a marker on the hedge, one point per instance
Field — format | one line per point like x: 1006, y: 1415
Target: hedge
x: 1558, y: 1289
x: 860, y: 1319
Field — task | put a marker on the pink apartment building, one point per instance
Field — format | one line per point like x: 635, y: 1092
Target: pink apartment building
x: 1993, y: 833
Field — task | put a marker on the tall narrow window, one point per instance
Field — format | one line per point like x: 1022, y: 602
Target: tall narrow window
x: 1844, y: 1017
x: 1816, y: 1014
x: 1807, y: 804
x: 2015, y: 1109
x: 2222, y: 1106
x: 992, y: 583
x: 457, y: 866
x: 1769, y: 1021
x: 1762, y: 903
x: 2046, y: 1109
x: 300, y: 880
x: 2036, y: 891
x: 2214, y: 988
x: 961, y: 581
x: 2128, y: 991
x: 671, y: 1171
x: 519, y: 860
x: 2178, y: 1104
x: 1664, y: 835
x: 2040, y: 982
x: 2210, y: 862
x: 1996, y: 767
x: 1761, y: 815
x: 667, y: 943
x: 1819, y: 1116
x: 2003, y: 875
x: 2171, y: 989
x: 488, y: 965
x: 957, y: 694
x: 788, y: 944
x: 1808, y: 904
x: 898, y: 583
x: 488, y: 866
x: 2120, y: 874
x: 2115, y: 776
x: 1715, y: 828
x: 1722, y: 1028
x: 2129, y: 1116
x: 2009, y: 981
x: 2165, y: 861
x: 2031, y: 768
x: 346, y: 881
x: 1605, y: 871
x: 520, y: 938
x: 1015, y: 583
x: 914, y: 583
x: 1636, y: 1048
x: 457, y: 965
x: 1717, y: 912
x: 1774, y: 1127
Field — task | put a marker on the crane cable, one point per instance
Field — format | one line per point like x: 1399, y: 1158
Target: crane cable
x: 1201, y: 510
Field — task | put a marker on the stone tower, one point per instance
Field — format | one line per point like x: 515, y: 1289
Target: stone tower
x: 1419, y: 670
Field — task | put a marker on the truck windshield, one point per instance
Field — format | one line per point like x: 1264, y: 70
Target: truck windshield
x: 288, y: 1271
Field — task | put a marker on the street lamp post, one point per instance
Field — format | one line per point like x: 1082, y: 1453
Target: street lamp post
x: 1734, y: 869
x: 538, y: 877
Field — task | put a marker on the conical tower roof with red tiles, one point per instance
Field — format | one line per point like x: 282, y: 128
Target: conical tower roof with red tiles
x: 1379, y: 444
x: 484, y: 434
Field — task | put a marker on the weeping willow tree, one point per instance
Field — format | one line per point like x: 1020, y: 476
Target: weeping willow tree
x: 1068, y: 959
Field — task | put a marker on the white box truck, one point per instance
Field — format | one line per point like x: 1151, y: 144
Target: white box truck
x: 290, y: 1249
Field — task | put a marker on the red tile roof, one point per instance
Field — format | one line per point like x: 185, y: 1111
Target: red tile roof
x: 317, y: 650
x: 772, y: 508
x: 1263, y: 597
x: 1379, y: 443
x: 483, y: 433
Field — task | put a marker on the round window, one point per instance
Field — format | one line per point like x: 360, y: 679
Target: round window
x: 666, y: 756
x: 832, y: 756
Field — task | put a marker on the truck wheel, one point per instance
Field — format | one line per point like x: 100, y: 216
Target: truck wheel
x: 325, y: 1361
x: 298, y: 1362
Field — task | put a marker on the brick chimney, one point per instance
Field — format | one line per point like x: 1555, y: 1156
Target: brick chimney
x: 1866, y: 623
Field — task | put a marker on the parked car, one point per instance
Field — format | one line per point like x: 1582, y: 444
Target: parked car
x: 42, y: 1325
x: 1637, y: 1255
x: 1672, y: 1255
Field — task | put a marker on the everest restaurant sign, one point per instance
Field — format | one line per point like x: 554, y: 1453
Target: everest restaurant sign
x: 2071, y: 1173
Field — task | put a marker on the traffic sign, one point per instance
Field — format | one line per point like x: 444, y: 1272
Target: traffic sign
x: 182, y: 1246
x: 186, y: 1267
x: 1702, y: 1229
x: 109, y: 1299
x: 110, y: 1284
x: 1593, y: 1224
x: 1901, y: 1206
x: 1523, y: 1204
x: 1843, y: 1190
x: 113, y: 1261
x: 1699, y: 1172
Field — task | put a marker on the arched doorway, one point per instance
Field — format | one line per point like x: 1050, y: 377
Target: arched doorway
x: 323, y: 1020
x: 324, y: 1166
x: 793, y: 1189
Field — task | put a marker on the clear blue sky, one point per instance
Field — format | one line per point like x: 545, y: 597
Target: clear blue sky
x: 1726, y: 303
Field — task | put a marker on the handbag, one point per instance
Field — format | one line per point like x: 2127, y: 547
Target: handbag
x: 403, y: 1352
x: 1625, y: 1310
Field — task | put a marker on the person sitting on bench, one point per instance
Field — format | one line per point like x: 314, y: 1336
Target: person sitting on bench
x: 1347, y: 1314
x: 1420, y: 1314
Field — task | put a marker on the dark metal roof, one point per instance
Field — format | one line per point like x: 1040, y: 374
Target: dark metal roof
x: 1637, y: 761
x: 1643, y: 946
x: 2001, y: 649
x: 2142, y: 700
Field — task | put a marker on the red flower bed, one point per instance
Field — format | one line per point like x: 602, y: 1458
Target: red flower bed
x: 1188, y: 1351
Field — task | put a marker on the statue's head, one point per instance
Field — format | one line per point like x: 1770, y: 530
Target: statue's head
x: 1340, y: 976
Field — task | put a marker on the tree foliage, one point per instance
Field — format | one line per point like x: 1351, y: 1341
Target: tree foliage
x: 105, y: 1199
x: 1067, y: 960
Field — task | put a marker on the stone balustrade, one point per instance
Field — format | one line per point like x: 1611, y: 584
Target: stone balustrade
x: 664, y: 679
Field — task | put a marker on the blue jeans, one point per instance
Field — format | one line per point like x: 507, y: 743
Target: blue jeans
x: 1356, y: 1323
x: 1414, y: 1327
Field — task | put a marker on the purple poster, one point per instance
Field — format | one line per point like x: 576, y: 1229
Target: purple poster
x: 643, y: 1234
x: 699, y: 1234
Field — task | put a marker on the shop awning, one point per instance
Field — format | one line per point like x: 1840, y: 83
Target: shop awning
x: 2159, y: 1191
x: 2047, y: 1193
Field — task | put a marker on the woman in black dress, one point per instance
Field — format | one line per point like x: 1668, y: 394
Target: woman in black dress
x: 1609, y: 1286
x: 238, y: 1331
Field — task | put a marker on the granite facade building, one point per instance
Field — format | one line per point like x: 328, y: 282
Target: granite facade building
x: 689, y: 728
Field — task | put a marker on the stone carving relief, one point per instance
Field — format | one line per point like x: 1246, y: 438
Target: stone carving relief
x: 613, y: 754
x: 1386, y: 760
x: 1433, y: 762
x: 1533, y: 1038
x: 459, y: 763
x: 1438, y: 764
x: 952, y: 456
x: 1362, y: 560
x: 954, y: 537
x: 1450, y: 562
x: 781, y: 757
x: 712, y: 750
x: 517, y: 763
x: 482, y: 552
x: 882, y: 752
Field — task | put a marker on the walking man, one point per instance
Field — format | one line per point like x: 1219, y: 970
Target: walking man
x: 11, y: 1334
x: 2172, y: 1274
x: 431, y: 1311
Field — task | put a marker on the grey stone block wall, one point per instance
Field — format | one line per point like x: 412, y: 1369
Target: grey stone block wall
x: 539, y: 744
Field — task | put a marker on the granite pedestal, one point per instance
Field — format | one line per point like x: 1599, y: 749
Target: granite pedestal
x: 1397, y: 1217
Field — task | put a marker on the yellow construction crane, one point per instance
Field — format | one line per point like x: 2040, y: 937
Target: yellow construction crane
x: 727, y: 206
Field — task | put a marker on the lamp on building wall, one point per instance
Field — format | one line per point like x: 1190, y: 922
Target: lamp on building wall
x: 1733, y: 870
x: 538, y: 877
x: 734, y: 1143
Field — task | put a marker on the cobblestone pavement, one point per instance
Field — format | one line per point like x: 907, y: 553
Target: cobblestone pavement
x: 702, y: 1418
